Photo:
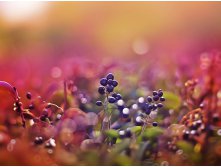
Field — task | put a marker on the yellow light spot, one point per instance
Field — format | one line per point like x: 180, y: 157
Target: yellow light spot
x: 197, y: 148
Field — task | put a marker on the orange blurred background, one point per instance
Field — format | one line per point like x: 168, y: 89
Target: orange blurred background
x: 107, y: 28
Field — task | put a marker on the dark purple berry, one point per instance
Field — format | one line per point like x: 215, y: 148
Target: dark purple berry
x: 156, y: 98
x: 98, y: 103
x: 110, y: 76
x: 186, y: 135
x: 38, y: 140
x: 28, y: 95
x: 154, y: 106
x: 110, y: 88
x: 43, y: 118
x: 119, y: 96
x: 216, y: 118
x: 101, y: 90
x: 147, y: 111
x: 125, y: 112
x: 154, y: 124
x: 149, y: 99
x: 109, y: 81
x: 138, y: 121
x: 159, y: 105
x: 103, y: 81
x: 160, y: 94
x: 114, y: 95
x: 114, y: 83
x: 155, y: 93
x: 122, y: 134
x: 111, y: 100
x: 128, y: 132
x: 162, y: 99
x: 31, y: 107
x: 150, y: 107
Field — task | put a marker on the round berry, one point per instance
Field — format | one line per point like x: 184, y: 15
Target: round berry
x: 141, y: 100
x: 159, y: 105
x: 114, y: 95
x: 120, y: 102
x: 122, y: 133
x: 162, y: 99
x: 110, y: 76
x: 128, y: 132
x: 186, y: 135
x: 103, y: 81
x: 31, y: 107
x: 110, y: 88
x: 28, y: 95
x: 149, y: 99
x: 98, y: 103
x: 139, y: 121
x: 101, y: 90
x: 111, y: 100
x: 150, y: 107
x: 114, y: 83
x: 154, y: 106
x: 160, y: 94
x: 147, y: 111
x: 155, y: 124
x: 155, y: 93
x: 38, y: 140
x: 125, y: 112
x: 109, y: 81
x: 156, y: 98
x: 119, y: 96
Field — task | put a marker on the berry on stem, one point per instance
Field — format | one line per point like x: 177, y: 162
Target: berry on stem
x: 111, y: 100
x: 149, y: 99
x: 155, y: 93
x: 101, y: 90
x: 159, y: 105
x: 110, y: 81
x: 155, y: 124
x: 162, y: 99
x: 103, y: 81
x: 114, y: 83
x: 139, y: 121
x: 98, y: 103
x: 119, y: 96
x: 110, y: 76
x: 156, y: 98
x: 160, y: 93
x: 110, y: 88
x: 28, y: 95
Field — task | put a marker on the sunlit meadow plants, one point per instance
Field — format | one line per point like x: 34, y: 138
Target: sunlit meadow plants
x: 88, y: 118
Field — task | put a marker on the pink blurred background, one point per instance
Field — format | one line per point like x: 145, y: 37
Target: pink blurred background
x: 41, y: 39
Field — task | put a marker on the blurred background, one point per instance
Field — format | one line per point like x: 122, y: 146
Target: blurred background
x: 42, y: 39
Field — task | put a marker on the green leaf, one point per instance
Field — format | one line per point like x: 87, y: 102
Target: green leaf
x: 112, y: 133
x: 118, y: 148
x: 136, y: 129
x: 152, y: 132
x: 122, y: 160
x: 172, y: 101
x: 185, y: 146
x: 141, y: 150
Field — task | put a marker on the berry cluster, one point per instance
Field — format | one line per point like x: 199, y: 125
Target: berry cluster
x: 140, y: 113
x: 106, y: 87
x: 195, y: 124
x: 147, y: 108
